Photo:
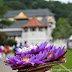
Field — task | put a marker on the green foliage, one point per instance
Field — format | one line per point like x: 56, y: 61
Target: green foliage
x: 3, y: 10
x: 63, y: 29
x: 10, y: 42
x: 70, y: 18
x: 60, y: 9
x: 5, y: 22
x: 3, y: 38
x: 16, y: 5
x: 1, y: 2
x: 8, y: 22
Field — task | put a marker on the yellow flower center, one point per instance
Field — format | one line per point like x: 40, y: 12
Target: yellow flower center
x: 48, y: 56
x: 25, y: 59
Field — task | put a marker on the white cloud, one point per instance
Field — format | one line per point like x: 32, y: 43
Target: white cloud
x: 63, y: 1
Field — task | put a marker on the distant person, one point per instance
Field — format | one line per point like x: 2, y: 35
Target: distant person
x: 25, y: 44
x: 6, y: 49
x: 20, y: 45
x: 2, y: 47
x: 1, y: 52
x: 14, y: 47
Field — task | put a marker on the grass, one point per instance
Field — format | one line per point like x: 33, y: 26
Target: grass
x: 10, y: 52
x: 68, y: 64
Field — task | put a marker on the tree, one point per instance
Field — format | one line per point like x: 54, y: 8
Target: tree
x: 3, y: 10
x: 5, y: 22
x: 3, y: 38
x: 63, y: 29
x: 70, y: 19
x: 58, y: 8
x: 1, y: 2
x: 11, y: 42
x: 15, y: 5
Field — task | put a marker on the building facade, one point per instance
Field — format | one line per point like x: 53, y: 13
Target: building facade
x: 31, y: 26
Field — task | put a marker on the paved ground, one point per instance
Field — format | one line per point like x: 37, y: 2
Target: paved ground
x: 4, y: 68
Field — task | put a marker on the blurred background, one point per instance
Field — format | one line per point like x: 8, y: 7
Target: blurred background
x: 25, y: 22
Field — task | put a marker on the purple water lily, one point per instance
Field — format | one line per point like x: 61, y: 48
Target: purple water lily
x: 30, y: 60
x: 38, y: 55
x: 29, y: 50
x: 54, y: 54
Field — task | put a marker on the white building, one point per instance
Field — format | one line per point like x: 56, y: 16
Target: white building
x: 33, y: 26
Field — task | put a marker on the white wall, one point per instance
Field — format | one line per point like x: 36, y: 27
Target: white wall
x: 50, y: 26
x: 59, y: 43
x: 37, y: 17
x: 34, y: 36
x: 19, y: 40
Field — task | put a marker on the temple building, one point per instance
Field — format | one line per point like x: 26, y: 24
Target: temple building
x: 31, y: 26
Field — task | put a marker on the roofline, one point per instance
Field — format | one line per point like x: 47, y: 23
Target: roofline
x: 52, y: 14
x: 10, y: 29
x: 29, y: 9
x: 33, y: 26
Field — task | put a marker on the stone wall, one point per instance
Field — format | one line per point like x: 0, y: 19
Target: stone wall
x: 60, y: 43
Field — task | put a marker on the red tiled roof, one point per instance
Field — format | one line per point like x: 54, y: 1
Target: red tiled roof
x: 33, y: 23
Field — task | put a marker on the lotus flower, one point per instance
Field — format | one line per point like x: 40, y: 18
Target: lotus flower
x: 30, y: 60
x: 38, y: 55
x: 31, y: 49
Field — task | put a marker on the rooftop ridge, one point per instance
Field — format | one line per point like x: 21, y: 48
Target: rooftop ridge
x: 21, y: 15
x: 33, y: 23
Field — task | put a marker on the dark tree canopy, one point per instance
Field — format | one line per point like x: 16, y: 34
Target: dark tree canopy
x: 60, y: 9
x: 3, y: 38
x: 3, y: 10
x: 5, y: 22
x: 11, y: 42
x: 70, y: 18
x: 15, y: 5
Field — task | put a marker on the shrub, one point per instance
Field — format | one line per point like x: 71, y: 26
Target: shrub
x: 11, y: 42
x: 3, y: 38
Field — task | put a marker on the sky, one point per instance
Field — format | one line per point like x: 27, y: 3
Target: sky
x: 63, y: 1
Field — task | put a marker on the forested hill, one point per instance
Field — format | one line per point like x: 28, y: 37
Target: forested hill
x: 61, y: 11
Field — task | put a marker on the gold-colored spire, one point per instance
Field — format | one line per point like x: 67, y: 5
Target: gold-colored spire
x: 21, y: 15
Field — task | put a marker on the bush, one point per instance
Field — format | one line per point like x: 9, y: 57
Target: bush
x: 11, y: 42
x: 3, y: 38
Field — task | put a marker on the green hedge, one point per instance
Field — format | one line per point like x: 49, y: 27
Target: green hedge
x: 3, y: 38
x: 11, y: 42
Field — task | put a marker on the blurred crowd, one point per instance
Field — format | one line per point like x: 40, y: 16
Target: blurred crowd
x: 4, y: 50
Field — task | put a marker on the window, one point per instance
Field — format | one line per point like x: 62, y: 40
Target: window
x: 40, y: 29
x: 25, y: 29
x: 51, y: 22
x: 32, y: 29
x: 19, y: 35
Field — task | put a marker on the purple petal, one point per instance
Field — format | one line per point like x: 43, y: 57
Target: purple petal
x: 61, y: 55
x: 58, y: 52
